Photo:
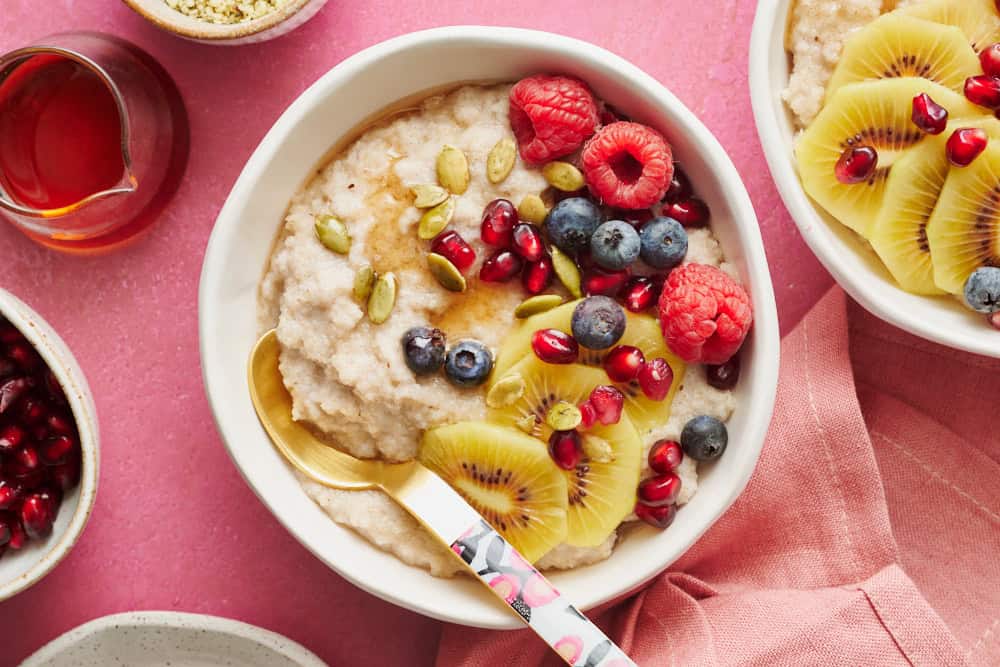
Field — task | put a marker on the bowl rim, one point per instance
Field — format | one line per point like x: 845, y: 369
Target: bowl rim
x: 64, y: 366
x: 770, y: 17
x: 192, y: 28
x: 759, y: 403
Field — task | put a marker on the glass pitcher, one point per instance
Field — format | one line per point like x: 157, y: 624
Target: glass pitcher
x: 93, y: 141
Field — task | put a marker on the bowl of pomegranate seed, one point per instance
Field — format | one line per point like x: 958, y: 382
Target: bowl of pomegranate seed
x: 520, y: 260
x: 890, y: 173
x: 48, y: 448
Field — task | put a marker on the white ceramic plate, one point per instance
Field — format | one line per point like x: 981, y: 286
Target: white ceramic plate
x: 845, y: 254
x: 145, y: 639
x: 241, y: 242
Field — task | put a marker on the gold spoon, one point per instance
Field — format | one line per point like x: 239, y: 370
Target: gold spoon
x: 440, y: 509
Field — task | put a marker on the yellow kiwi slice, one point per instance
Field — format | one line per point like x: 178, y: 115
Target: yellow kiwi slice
x: 601, y: 490
x: 978, y: 19
x: 641, y: 331
x: 876, y: 114
x: 899, y: 234
x: 964, y: 231
x: 507, y: 476
x: 896, y: 46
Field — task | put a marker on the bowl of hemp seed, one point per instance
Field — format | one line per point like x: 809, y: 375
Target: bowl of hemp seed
x: 227, y: 22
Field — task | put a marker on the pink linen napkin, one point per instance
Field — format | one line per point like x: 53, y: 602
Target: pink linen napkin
x: 868, y: 535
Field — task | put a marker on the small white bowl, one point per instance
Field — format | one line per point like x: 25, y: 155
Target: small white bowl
x: 19, y: 570
x: 845, y: 254
x: 171, y: 638
x: 272, y: 25
x: 248, y: 223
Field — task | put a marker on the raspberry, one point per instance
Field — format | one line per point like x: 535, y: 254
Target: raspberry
x: 551, y: 116
x: 704, y: 314
x: 628, y: 165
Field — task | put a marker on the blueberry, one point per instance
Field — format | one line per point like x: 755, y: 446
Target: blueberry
x: 598, y: 322
x: 615, y: 245
x: 423, y: 348
x: 704, y: 438
x: 571, y: 223
x: 468, y: 363
x: 982, y: 290
x: 664, y: 243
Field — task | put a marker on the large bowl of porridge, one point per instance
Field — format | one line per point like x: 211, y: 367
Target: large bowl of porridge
x: 796, y: 46
x: 263, y: 268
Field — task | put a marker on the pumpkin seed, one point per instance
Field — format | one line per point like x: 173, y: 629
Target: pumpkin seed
x: 537, y: 304
x: 563, y: 176
x: 453, y: 170
x: 383, y: 298
x: 567, y: 272
x: 333, y: 234
x: 528, y: 423
x: 426, y: 196
x: 500, y: 161
x: 597, y: 449
x: 563, y: 416
x: 450, y: 277
x: 532, y: 209
x: 364, y: 280
x: 434, y: 220
x: 506, y: 392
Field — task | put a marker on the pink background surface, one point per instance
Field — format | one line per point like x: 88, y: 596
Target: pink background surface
x: 175, y: 527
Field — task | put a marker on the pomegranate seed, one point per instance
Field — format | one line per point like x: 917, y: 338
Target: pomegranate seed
x: 588, y: 415
x: 7, y: 368
x: 965, y: 145
x: 928, y: 115
x: 11, y: 391
x: 55, y: 450
x: 665, y: 456
x: 657, y: 517
x: 499, y: 218
x: 983, y: 90
x: 639, y: 294
x: 501, y: 267
x: 53, y: 387
x: 989, y: 58
x: 660, y: 490
x: 60, y: 424
x: 565, y: 449
x: 455, y: 249
x: 5, y: 534
x: 38, y: 513
x: 554, y: 347
x: 11, y: 437
x: 527, y: 240
x: 9, y: 334
x: 856, y: 165
x: 724, y: 376
x: 689, y: 212
x: 17, y: 536
x: 604, y: 283
x: 22, y: 355
x: 33, y: 411
x: 624, y: 363
x: 680, y: 187
x: 25, y: 461
x: 537, y: 276
x: 10, y: 493
x: 66, y: 475
x: 608, y: 402
x: 655, y: 378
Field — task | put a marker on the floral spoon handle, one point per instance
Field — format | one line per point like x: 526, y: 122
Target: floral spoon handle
x: 513, y: 579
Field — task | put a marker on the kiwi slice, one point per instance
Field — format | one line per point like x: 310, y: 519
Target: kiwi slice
x: 978, y: 19
x: 876, y: 114
x: 964, y: 230
x: 601, y: 493
x: 507, y: 476
x: 899, y: 234
x: 641, y: 331
x: 895, y: 46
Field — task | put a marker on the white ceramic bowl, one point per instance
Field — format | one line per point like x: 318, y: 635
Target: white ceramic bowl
x: 846, y: 255
x: 20, y: 570
x: 269, y: 26
x: 246, y: 227
x: 171, y: 638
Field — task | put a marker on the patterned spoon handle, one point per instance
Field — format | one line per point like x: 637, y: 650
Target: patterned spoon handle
x: 511, y: 578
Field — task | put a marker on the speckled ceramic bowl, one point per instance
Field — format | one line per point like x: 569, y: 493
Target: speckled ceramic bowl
x: 20, y: 570
x: 275, y: 24
x: 169, y: 638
